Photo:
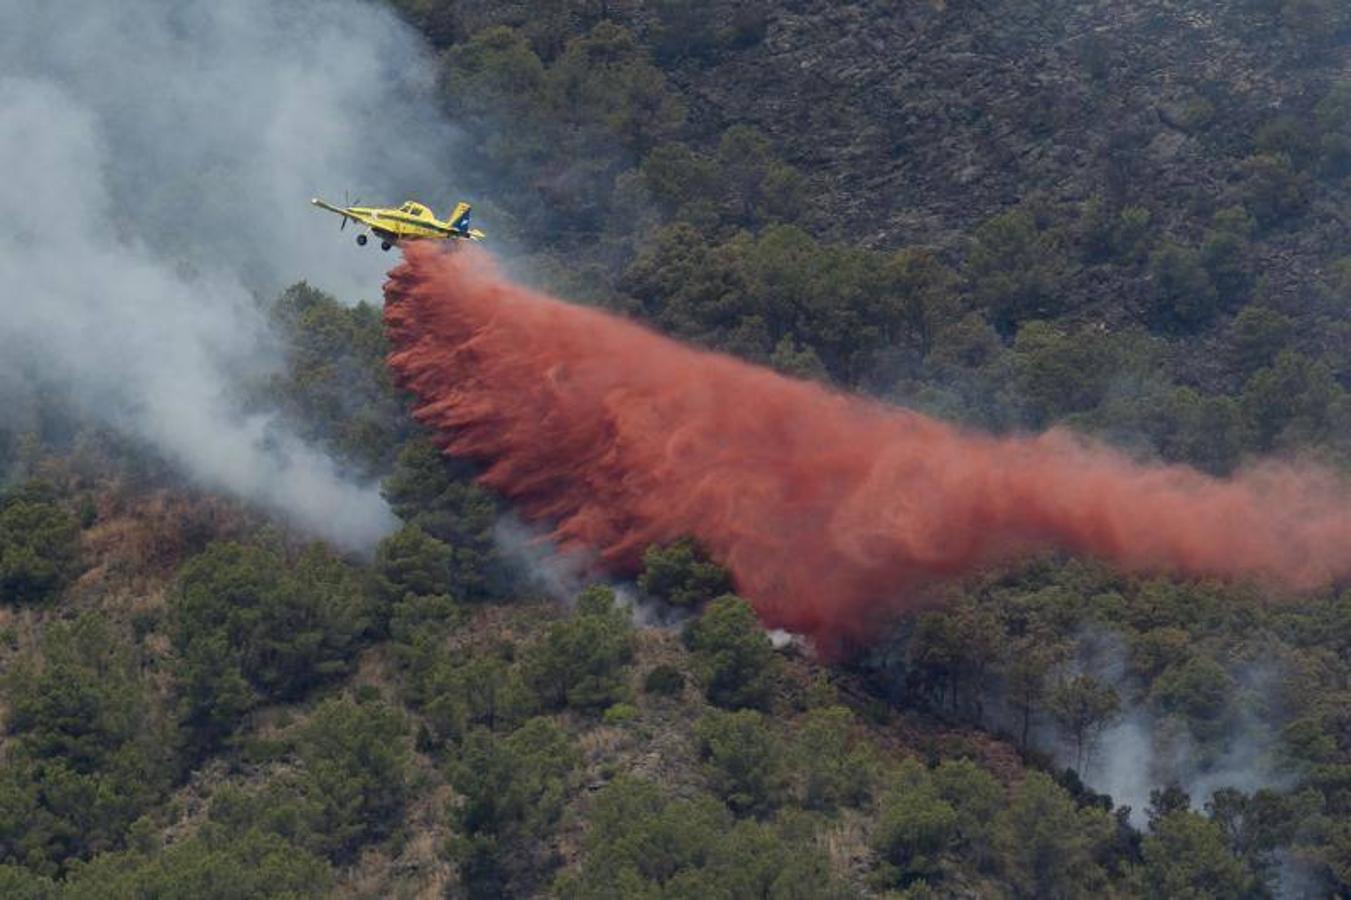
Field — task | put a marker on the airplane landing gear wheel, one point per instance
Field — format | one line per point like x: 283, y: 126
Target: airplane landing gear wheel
x: 361, y: 240
x: 385, y: 245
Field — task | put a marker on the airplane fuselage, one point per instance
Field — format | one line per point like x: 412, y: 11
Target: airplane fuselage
x: 395, y: 225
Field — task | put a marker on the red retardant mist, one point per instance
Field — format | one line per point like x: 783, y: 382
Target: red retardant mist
x: 831, y: 512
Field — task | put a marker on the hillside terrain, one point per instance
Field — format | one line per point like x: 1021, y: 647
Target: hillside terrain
x: 1124, y: 219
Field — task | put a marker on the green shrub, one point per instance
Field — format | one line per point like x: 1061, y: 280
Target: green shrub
x: 620, y: 713
x: 743, y: 760
x: 664, y: 680
x: 438, y: 497
x: 1186, y: 856
x: 1049, y: 848
x: 916, y: 826
x: 643, y: 843
x: 513, y: 788
x: 495, y: 71
x: 1015, y: 268
x: 39, y: 545
x: 1273, y: 190
x: 837, y: 769
x: 412, y: 563
x: 1184, y: 293
x: 1334, y: 121
x: 249, y: 624
x: 210, y: 865
x: 1259, y: 335
x: 88, y: 751
x: 356, y: 776
x: 580, y: 661
x: 681, y: 574
x: 733, y: 655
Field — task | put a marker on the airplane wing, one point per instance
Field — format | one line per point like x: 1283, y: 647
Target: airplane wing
x: 323, y: 204
x: 345, y: 214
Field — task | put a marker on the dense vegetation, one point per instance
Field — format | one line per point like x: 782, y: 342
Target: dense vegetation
x: 999, y: 215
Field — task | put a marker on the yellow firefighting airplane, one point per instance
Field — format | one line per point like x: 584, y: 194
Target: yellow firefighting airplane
x: 412, y: 221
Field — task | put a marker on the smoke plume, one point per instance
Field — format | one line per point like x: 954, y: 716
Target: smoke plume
x: 828, y: 509
x: 157, y: 157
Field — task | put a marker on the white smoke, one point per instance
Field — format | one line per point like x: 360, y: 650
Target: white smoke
x: 1140, y: 751
x: 539, y: 563
x: 542, y: 566
x: 156, y: 162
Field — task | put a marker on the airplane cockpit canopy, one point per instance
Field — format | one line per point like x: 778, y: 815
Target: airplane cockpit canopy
x: 414, y: 209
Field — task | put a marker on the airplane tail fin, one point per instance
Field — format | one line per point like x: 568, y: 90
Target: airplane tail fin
x: 460, y: 216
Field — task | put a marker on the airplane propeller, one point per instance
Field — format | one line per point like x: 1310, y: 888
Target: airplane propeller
x: 347, y: 204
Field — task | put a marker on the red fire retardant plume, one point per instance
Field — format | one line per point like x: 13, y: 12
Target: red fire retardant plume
x: 827, y: 509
